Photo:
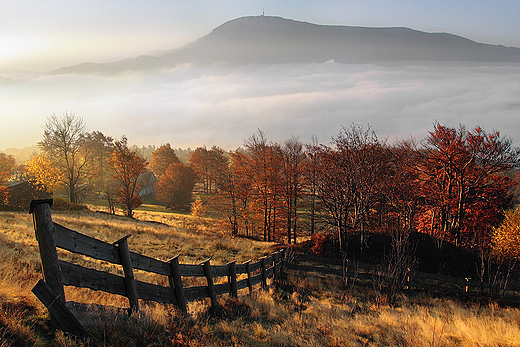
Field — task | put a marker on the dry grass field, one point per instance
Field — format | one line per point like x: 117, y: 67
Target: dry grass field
x: 308, y: 311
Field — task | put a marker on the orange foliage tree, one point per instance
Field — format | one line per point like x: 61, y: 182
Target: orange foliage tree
x: 233, y: 197
x: 461, y: 181
x: 208, y: 164
x: 175, y: 187
x: 163, y: 157
x: 127, y: 165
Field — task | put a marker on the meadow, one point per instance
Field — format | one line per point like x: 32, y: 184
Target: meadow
x: 307, y: 310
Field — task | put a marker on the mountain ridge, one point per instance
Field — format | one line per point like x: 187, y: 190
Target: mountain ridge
x: 276, y: 40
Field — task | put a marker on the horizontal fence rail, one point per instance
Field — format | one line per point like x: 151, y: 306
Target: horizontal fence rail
x: 69, y: 274
x: 418, y: 280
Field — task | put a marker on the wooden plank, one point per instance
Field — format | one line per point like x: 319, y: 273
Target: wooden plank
x: 269, y: 272
x: 143, y: 262
x: 256, y: 279
x: 255, y: 266
x: 220, y: 270
x: 193, y: 270
x: 306, y: 268
x: 195, y: 293
x: 223, y: 288
x: 73, y: 241
x: 154, y: 292
x: 46, y: 237
x: 241, y: 269
x: 60, y: 313
x: 242, y: 284
x: 78, y: 276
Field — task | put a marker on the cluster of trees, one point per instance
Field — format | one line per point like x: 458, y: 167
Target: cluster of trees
x: 454, y: 185
x: 79, y: 164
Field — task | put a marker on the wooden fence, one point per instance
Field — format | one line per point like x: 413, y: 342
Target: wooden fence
x: 415, y: 280
x: 58, y: 273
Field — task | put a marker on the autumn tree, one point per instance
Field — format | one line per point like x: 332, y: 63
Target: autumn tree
x: 127, y: 165
x: 310, y: 172
x: 175, y: 186
x: 232, y: 200
x: 163, y: 157
x: 198, y: 209
x: 43, y: 171
x: 265, y: 165
x: 101, y: 148
x: 350, y: 176
x: 458, y: 171
x: 293, y: 159
x: 7, y: 165
x: 506, y: 237
x: 63, y: 144
x: 207, y: 164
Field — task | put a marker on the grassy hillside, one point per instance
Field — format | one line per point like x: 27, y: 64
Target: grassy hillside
x: 308, y: 311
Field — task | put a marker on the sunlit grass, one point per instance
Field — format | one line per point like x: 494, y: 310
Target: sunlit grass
x: 312, y: 310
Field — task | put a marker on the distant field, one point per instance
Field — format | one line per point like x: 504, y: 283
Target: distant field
x: 309, y: 311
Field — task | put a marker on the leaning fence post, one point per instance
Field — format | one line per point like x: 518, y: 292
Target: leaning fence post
x: 211, y: 288
x: 131, y: 289
x: 249, y: 283
x: 233, y: 279
x: 46, y: 237
x: 176, y: 283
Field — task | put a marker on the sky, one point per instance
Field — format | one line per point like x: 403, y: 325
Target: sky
x: 190, y: 106
x: 44, y: 35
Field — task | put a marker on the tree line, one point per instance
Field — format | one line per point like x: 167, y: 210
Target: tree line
x: 455, y: 185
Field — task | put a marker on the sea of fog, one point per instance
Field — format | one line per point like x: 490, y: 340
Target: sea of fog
x: 190, y: 106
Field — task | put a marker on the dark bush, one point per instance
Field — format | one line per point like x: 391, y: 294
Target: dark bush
x: 60, y: 204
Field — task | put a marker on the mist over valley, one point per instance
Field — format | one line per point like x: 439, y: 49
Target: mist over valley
x: 285, y: 77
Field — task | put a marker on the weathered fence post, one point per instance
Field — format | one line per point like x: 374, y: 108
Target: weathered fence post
x: 176, y: 283
x: 249, y: 283
x: 211, y: 289
x: 60, y: 314
x: 131, y: 289
x: 262, y: 271
x: 275, y: 260
x: 232, y: 279
x: 46, y: 237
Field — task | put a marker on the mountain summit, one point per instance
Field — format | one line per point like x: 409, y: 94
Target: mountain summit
x: 275, y: 40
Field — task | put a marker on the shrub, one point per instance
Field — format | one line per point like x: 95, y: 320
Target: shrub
x: 326, y: 245
x: 60, y: 204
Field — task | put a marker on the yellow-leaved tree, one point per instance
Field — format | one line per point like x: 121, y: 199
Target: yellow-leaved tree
x: 42, y: 170
x: 505, y: 239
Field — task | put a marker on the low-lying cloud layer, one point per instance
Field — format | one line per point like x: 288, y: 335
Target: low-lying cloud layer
x: 193, y: 106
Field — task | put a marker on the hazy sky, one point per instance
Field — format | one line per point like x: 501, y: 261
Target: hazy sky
x: 50, y: 34
x: 192, y: 106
